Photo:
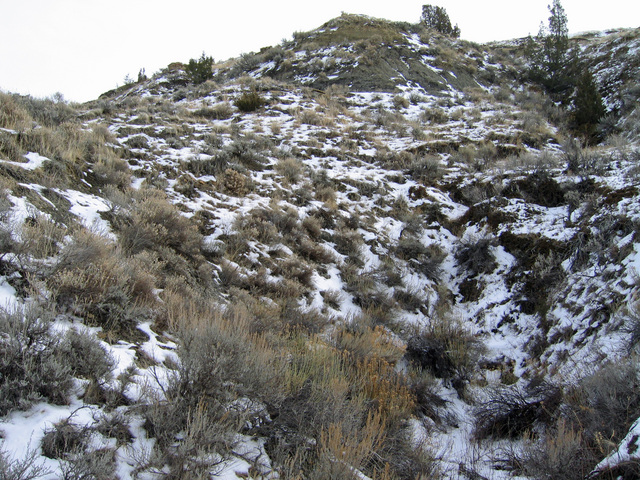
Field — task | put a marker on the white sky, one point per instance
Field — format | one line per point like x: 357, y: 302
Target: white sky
x: 83, y: 48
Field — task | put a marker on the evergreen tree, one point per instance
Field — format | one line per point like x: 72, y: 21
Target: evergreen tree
x: 588, y: 108
x: 549, y: 55
x: 199, y: 71
x: 436, y: 18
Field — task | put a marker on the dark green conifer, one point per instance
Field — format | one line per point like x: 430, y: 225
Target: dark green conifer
x: 588, y: 108
x: 200, y: 71
x: 436, y: 18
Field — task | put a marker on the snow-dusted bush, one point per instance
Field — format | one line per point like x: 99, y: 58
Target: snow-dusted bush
x: 446, y: 349
x: 475, y: 255
x: 32, y: 367
x: 224, y: 374
x: 426, y: 169
x: 25, y: 468
x: 511, y: 411
x: 86, y: 356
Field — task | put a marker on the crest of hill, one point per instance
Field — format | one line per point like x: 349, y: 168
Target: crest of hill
x: 365, y: 54
x: 370, y: 54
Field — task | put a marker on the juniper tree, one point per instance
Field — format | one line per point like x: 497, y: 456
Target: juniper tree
x: 199, y: 71
x: 549, y: 55
x: 588, y: 107
x: 436, y: 18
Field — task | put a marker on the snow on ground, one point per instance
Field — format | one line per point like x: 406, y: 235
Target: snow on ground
x: 34, y: 160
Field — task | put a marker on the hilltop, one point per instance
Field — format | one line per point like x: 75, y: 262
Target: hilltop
x: 371, y: 251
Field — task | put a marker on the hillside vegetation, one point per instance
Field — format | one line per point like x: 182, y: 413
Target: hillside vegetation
x: 372, y: 251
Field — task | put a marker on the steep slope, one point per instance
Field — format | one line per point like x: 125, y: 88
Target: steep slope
x: 394, y: 267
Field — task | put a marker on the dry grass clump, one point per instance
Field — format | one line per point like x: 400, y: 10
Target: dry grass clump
x: 290, y: 168
x: 93, y: 281
x: 225, y: 377
x: 109, y: 169
x: 220, y: 111
x: 346, y: 391
x: 151, y: 222
x: 40, y: 236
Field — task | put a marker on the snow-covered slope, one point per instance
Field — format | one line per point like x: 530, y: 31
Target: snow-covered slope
x: 414, y: 219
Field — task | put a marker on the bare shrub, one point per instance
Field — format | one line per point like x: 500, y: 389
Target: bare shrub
x: 446, y: 349
x: 25, y: 468
x: 510, y: 411
x: 86, y: 356
x: 475, y: 255
x: 560, y: 454
x: 31, y: 365
x: 426, y: 170
x: 63, y: 439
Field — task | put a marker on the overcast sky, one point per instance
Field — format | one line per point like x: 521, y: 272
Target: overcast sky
x: 82, y: 48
